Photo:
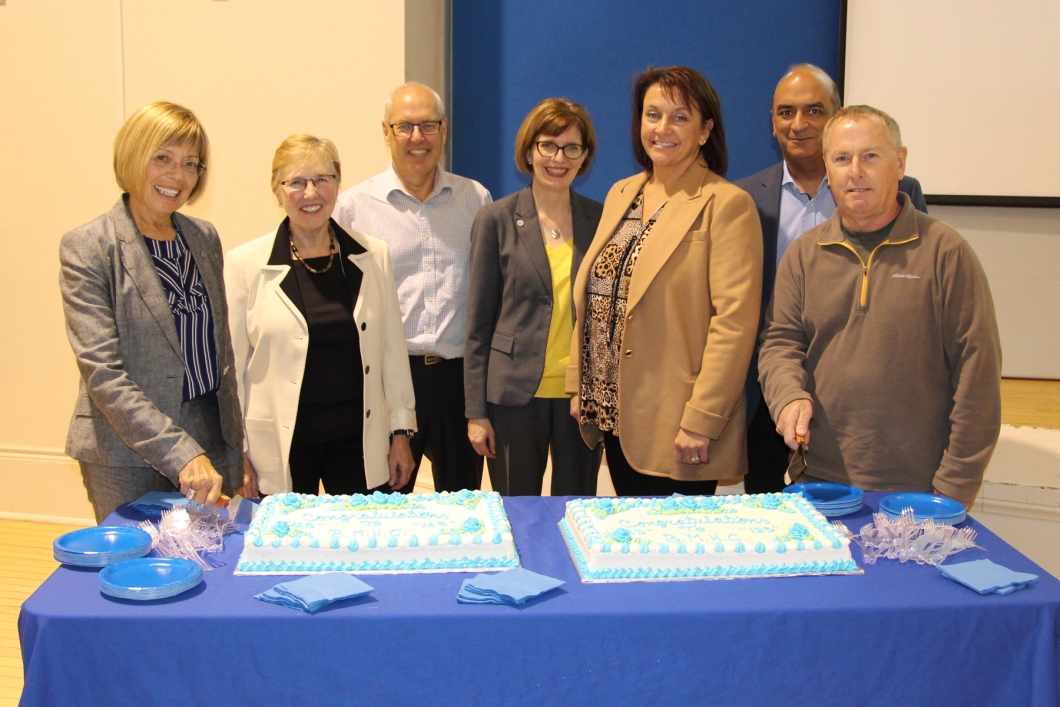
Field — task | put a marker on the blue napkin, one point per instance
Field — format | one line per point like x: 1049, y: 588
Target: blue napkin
x: 514, y: 586
x: 153, y: 503
x: 316, y: 591
x: 987, y: 577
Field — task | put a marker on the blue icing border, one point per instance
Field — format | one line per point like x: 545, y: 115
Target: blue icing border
x: 426, y: 564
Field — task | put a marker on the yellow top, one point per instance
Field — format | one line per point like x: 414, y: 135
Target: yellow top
x: 560, y: 329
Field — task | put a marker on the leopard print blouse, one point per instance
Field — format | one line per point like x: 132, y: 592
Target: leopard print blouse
x: 608, y: 289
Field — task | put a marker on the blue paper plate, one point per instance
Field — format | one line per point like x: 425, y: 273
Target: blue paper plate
x: 149, y: 578
x: 828, y: 494
x: 924, y: 505
x: 103, y: 545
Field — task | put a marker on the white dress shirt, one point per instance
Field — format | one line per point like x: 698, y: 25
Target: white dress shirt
x: 798, y: 212
x: 430, y: 246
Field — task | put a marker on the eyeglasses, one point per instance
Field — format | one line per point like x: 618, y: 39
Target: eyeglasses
x: 549, y: 149
x: 324, y: 181
x: 430, y: 127
x: 164, y: 162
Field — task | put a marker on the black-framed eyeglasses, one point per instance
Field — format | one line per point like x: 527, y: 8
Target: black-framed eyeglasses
x: 429, y: 127
x: 190, y: 167
x: 549, y: 149
x: 324, y: 181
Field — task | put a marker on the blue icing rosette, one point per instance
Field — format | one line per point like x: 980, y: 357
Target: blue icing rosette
x: 771, y: 501
x: 621, y: 535
x: 471, y: 525
x: 708, y: 503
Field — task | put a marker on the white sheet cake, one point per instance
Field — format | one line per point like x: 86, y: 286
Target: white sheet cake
x: 381, y: 533
x: 699, y: 537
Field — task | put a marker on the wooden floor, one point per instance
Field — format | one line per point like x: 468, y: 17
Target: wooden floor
x: 26, y: 556
x: 25, y: 562
x: 1035, y: 403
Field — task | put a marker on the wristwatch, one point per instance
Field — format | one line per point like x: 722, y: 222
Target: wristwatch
x: 403, y: 433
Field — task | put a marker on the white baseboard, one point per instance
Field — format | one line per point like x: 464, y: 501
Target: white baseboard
x: 42, y: 484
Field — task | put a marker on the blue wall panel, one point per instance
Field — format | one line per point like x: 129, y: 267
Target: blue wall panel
x: 508, y: 55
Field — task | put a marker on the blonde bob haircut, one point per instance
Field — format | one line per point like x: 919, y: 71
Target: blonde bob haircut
x: 302, y: 149
x: 148, y: 130
x: 551, y: 117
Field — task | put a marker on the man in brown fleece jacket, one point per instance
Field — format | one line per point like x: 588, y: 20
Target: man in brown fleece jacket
x: 881, y: 342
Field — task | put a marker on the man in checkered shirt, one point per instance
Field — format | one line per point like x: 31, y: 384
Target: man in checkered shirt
x: 425, y: 214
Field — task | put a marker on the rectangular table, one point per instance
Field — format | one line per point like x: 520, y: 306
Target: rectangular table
x: 899, y: 634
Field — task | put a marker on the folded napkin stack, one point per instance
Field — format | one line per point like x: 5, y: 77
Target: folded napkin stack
x: 312, y: 593
x: 514, y: 586
x: 153, y: 503
x: 987, y: 577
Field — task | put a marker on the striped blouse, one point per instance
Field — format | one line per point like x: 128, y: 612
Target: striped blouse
x: 192, y: 313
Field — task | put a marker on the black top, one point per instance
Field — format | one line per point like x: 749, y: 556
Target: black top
x: 190, y: 304
x: 331, y: 398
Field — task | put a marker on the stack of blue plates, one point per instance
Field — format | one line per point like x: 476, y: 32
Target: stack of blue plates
x: 924, y: 505
x: 149, y: 578
x: 830, y: 499
x: 101, y: 546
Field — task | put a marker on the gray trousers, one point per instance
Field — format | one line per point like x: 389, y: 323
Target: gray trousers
x: 110, y: 486
x: 524, y: 436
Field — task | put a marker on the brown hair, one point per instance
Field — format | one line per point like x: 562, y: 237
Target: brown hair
x: 686, y: 85
x: 147, y: 130
x: 551, y: 117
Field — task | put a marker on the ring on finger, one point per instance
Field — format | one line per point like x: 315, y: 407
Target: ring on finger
x: 190, y: 495
x: 695, y: 459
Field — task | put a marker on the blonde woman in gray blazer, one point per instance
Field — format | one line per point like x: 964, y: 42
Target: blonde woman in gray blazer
x: 146, y: 316
x: 525, y: 254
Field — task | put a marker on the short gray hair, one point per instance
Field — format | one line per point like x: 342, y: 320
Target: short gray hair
x: 822, y: 76
x: 438, y: 105
x: 861, y: 113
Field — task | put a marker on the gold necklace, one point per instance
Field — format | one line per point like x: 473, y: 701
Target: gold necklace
x: 307, y: 266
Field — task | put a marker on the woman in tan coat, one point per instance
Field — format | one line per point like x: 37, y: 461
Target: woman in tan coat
x: 667, y: 301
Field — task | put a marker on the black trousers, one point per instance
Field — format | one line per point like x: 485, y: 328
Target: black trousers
x: 767, y: 455
x: 339, y: 464
x: 442, y: 434
x: 630, y: 482
x: 524, y: 435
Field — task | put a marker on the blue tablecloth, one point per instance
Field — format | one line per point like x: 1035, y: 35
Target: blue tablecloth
x: 899, y: 634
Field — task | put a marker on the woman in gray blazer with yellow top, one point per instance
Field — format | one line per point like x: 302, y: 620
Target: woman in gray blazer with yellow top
x: 525, y: 254
x: 146, y: 316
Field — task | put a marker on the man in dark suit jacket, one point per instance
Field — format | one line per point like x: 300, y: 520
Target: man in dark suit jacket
x: 792, y: 197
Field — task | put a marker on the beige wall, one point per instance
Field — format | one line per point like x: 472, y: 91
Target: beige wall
x: 1020, y: 252
x: 253, y: 70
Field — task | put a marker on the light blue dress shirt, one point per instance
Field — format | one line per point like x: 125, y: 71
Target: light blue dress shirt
x: 798, y: 212
x: 430, y: 248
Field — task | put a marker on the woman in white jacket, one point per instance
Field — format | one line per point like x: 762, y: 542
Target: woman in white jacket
x: 320, y: 356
